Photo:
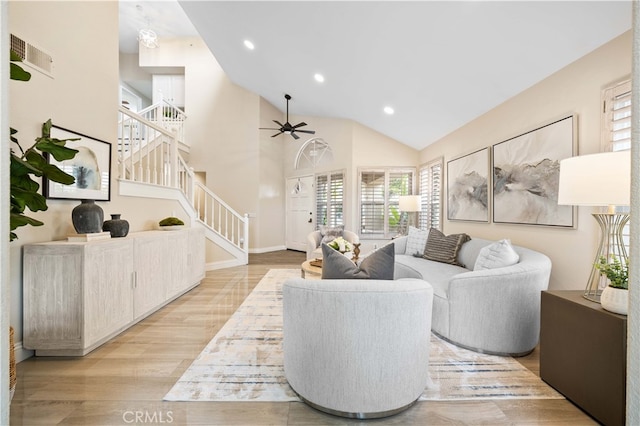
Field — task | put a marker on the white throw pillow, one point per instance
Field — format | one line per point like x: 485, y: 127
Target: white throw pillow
x: 416, y: 241
x: 496, y: 255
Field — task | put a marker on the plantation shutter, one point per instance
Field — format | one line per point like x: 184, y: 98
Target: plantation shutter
x: 321, y: 200
x: 400, y: 183
x: 372, y: 203
x: 431, y: 193
x: 329, y: 199
x: 379, y: 200
x: 336, y: 199
x: 616, y: 130
x: 617, y: 117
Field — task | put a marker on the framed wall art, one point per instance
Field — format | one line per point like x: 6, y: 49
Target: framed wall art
x: 526, y: 171
x: 91, y: 167
x: 468, y: 187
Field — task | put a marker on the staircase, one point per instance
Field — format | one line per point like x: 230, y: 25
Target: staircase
x: 151, y: 164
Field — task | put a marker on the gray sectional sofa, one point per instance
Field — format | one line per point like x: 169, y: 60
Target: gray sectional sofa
x: 495, y: 311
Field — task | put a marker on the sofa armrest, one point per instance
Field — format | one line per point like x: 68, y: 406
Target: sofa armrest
x: 350, y: 236
x: 400, y: 244
x: 313, y: 242
x: 505, y: 301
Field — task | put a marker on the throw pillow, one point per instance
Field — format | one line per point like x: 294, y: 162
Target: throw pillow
x: 496, y: 255
x: 377, y: 266
x: 330, y: 234
x: 416, y: 241
x: 444, y: 248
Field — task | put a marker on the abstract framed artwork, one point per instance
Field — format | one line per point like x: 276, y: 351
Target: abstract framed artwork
x: 91, y: 167
x: 526, y: 171
x: 468, y: 187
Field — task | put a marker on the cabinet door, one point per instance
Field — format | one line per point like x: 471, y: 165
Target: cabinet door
x: 152, y: 256
x: 107, y: 288
x: 196, y: 255
x: 52, y: 297
x: 179, y: 279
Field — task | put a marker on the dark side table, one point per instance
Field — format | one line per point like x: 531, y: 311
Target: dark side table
x: 583, y: 354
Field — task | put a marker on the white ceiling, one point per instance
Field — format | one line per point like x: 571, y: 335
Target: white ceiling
x: 439, y: 64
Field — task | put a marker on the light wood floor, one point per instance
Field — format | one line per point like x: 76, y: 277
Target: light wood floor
x: 123, y: 382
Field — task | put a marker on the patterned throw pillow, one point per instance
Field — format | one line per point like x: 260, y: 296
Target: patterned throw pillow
x: 416, y: 242
x: 444, y: 248
x: 379, y: 265
x: 496, y: 255
x: 330, y: 234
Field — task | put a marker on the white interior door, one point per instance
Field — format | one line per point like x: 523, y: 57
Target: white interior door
x: 300, y: 212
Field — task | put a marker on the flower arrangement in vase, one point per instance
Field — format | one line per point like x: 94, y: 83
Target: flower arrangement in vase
x: 341, y: 245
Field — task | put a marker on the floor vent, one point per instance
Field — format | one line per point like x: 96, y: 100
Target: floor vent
x: 32, y: 56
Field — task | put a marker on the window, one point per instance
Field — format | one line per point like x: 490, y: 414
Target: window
x: 380, y: 190
x: 616, y: 119
x: 616, y: 129
x: 431, y: 193
x: 329, y: 199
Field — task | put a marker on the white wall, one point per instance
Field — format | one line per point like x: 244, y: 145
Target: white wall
x: 81, y: 96
x: 575, y: 89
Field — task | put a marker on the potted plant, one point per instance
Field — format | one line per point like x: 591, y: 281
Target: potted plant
x: 615, y: 296
x: 171, y: 223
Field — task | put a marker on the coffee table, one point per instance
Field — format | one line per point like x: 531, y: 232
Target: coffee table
x: 309, y: 271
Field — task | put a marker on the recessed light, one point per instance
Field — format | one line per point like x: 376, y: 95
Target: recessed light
x: 388, y: 110
x: 249, y: 45
x: 319, y: 78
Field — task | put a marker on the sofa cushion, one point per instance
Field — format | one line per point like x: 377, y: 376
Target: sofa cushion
x: 329, y: 234
x: 378, y: 265
x: 444, y: 248
x: 416, y: 241
x: 496, y: 255
x: 437, y: 274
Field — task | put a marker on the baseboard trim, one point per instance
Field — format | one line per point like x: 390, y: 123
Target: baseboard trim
x: 21, y: 353
x: 212, y: 266
x: 266, y: 249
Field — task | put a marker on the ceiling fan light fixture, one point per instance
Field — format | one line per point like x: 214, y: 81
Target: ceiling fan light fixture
x: 148, y: 38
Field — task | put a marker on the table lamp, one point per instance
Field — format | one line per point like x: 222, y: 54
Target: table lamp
x: 602, y: 179
x: 409, y: 205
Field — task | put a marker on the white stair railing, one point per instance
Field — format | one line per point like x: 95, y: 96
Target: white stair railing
x: 167, y: 116
x: 148, y: 153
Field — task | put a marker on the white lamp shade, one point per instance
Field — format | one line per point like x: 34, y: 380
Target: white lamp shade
x: 596, y: 180
x: 410, y: 203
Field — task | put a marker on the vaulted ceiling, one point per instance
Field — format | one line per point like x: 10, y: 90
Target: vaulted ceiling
x: 438, y: 64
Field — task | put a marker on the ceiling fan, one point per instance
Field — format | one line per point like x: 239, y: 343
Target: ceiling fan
x: 288, y: 128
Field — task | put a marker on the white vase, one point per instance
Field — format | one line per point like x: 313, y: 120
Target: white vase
x: 615, y: 300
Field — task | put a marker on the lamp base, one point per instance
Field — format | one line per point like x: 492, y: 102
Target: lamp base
x: 611, y: 244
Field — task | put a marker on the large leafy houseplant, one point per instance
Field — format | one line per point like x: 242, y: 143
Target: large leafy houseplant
x: 31, y: 162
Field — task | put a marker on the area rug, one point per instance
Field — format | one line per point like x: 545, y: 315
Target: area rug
x: 244, y: 361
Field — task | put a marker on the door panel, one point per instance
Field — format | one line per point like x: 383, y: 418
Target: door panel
x: 300, y: 212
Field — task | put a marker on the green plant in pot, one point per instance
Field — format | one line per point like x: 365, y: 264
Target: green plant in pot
x: 614, y: 297
x: 31, y: 162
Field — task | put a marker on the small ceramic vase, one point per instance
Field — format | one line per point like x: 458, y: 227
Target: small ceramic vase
x: 615, y: 300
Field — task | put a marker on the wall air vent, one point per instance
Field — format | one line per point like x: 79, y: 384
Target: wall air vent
x: 32, y: 56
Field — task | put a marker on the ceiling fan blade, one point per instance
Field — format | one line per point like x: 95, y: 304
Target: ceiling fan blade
x: 295, y: 136
x: 277, y: 134
x: 311, y: 132
x: 267, y: 128
x: 299, y: 125
x: 278, y: 123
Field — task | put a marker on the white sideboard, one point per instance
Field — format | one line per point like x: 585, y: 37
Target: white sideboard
x: 78, y: 295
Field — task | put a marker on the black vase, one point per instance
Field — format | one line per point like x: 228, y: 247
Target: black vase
x: 87, y: 217
x: 116, y: 226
